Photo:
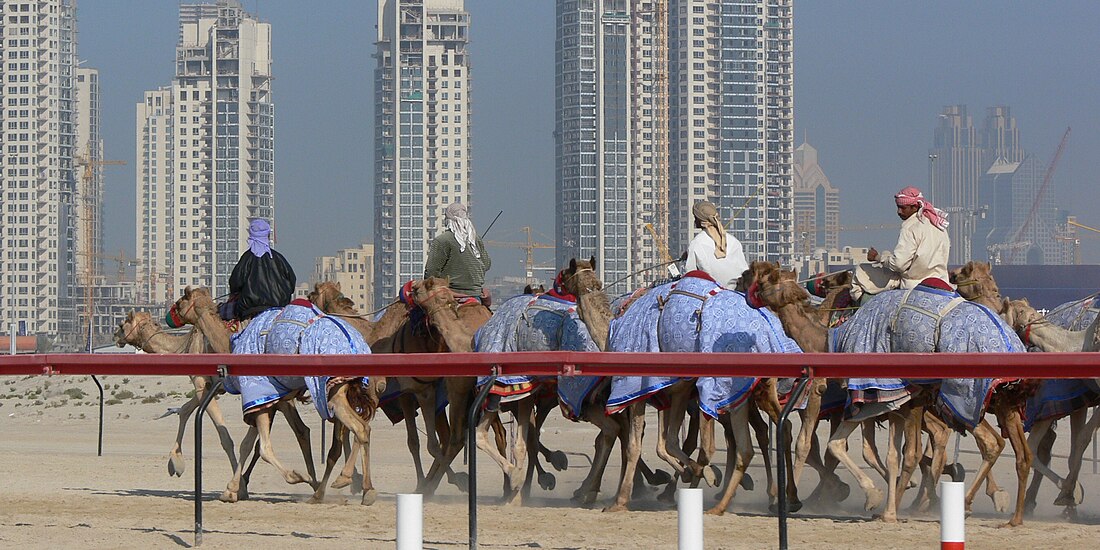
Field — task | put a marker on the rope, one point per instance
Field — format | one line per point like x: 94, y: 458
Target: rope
x: 367, y: 316
x: 643, y: 270
x: 822, y: 276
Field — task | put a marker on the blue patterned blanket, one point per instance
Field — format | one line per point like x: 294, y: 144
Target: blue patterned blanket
x: 1057, y: 398
x: 542, y: 323
x: 693, y: 315
x: 906, y: 321
x: 255, y: 391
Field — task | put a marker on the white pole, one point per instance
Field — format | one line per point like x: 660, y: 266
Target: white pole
x: 410, y: 522
x: 952, y: 516
x: 690, y: 506
x: 11, y: 336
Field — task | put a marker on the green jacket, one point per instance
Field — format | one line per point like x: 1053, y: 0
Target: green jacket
x: 466, y: 271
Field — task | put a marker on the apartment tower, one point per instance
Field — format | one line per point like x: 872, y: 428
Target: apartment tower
x: 38, y: 180
x: 206, y: 150
x: 353, y: 269
x: 422, y: 137
x: 664, y: 103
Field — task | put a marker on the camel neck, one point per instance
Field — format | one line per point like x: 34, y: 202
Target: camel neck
x: 1050, y: 337
x: 804, y: 328
x: 595, y: 310
x: 214, y: 330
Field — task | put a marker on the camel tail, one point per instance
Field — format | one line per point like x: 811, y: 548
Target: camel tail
x: 363, y: 399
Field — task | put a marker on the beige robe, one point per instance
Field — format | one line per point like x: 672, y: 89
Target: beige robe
x: 921, y: 253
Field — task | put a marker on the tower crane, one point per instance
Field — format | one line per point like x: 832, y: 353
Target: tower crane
x: 90, y: 222
x: 528, y: 247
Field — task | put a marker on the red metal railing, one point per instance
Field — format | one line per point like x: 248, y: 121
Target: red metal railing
x: 783, y: 365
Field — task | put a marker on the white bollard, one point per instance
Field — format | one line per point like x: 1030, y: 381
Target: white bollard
x: 410, y: 522
x: 689, y: 502
x: 952, y: 516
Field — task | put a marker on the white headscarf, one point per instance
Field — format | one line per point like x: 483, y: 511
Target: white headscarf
x: 457, y: 221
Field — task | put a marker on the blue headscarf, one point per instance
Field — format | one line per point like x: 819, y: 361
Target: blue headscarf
x: 258, y: 232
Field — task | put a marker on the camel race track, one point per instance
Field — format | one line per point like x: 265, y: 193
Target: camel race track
x: 59, y: 494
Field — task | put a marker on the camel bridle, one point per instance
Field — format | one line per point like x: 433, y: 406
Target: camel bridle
x: 578, y: 271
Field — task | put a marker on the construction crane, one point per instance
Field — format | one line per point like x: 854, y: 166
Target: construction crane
x: 1074, y: 238
x: 528, y: 247
x: 1038, y: 197
x: 90, y: 222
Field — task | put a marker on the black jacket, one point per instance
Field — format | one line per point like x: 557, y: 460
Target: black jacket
x: 261, y: 283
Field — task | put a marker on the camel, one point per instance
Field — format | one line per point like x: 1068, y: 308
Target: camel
x: 1054, y: 332
x: 1075, y: 396
x: 196, y: 307
x: 141, y: 331
x: 728, y: 333
x: 879, y: 326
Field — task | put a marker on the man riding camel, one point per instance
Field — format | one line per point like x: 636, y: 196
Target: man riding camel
x: 459, y: 254
x: 921, y: 252
x: 713, y: 250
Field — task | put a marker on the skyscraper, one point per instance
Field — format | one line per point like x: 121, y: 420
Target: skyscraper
x: 422, y: 137
x: 38, y: 180
x: 206, y: 151
x: 353, y: 270
x: 662, y: 104
x: 816, y: 205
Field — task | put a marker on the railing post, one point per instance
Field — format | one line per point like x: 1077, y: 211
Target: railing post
x: 100, y: 386
x: 781, y: 453
x: 471, y: 435
x: 206, y: 399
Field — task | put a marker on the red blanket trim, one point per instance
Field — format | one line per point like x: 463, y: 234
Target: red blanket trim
x: 936, y: 282
x: 302, y: 302
x: 562, y: 295
x: 700, y: 274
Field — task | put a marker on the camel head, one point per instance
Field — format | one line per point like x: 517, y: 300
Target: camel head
x: 325, y: 295
x: 580, y: 277
x: 774, y: 288
x: 754, y: 271
x: 435, y: 297
x: 194, y: 303
x: 130, y: 329
x: 975, y: 281
x: 1020, y: 315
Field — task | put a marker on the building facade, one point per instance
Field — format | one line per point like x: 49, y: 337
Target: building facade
x: 1018, y: 228
x: 660, y: 104
x: 422, y: 131
x: 38, y: 180
x: 206, y: 152
x: 816, y: 205
x: 353, y: 269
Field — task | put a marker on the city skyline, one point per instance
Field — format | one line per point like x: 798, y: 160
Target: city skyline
x: 514, y: 145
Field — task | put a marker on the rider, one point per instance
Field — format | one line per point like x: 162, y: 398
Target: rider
x: 921, y: 252
x: 459, y: 254
x: 713, y: 250
x: 262, y: 278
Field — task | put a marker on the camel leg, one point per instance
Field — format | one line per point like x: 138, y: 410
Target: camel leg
x: 689, y: 470
x: 267, y: 451
x: 412, y: 438
x: 809, y: 426
x: 632, y: 452
x: 347, y: 474
x: 1081, y: 435
x: 233, y: 489
x: 331, y: 459
x: 870, y: 448
x: 347, y: 416
x: 1009, y: 417
x: 176, y: 465
x: 525, y: 412
x: 1041, y: 441
x: 897, y: 432
x: 546, y: 479
x: 990, y: 445
x: 610, y: 430
x: 771, y: 406
x: 763, y: 440
x: 458, y: 394
x: 214, y: 413
x: 838, y: 444
x: 738, y: 456
x: 301, y: 433
x: 482, y: 442
x: 911, y: 451
x: 938, y: 435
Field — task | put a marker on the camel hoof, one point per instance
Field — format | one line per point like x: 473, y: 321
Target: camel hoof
x: 547, y: 481
x: 1000, y: 501
x: 585, y: 498
x: 369, y: 497
x: 341, y: 482
x: 316, y: 498
x: 712, y: 475
x: 792, y: 507
x: 892, y: 518
x: 956, y: 471
x: 660, y: 477
x: 746, y: 482
x: 559, y: 461
x: 1077, y: 497
x: 175, y: 465
x: 460, y: 480
x: 615, y: 508
x: 228, y: 496
x: 667, y: 496
x: 874, y: 499
x: 716, y: 511
x: 1012, y: 523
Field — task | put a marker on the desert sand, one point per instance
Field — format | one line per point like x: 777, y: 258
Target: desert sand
x: 58, y: 494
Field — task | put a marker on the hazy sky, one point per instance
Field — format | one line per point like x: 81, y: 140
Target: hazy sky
x: 870, y: 79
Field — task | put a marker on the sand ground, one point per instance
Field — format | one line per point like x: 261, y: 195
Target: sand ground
x: 58, y: 494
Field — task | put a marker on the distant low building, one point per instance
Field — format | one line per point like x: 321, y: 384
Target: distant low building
x: 353, y: 269
x: 828, y: 261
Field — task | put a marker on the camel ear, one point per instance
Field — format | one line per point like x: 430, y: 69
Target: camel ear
x: 592, y: 262
x: 573, y: 264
